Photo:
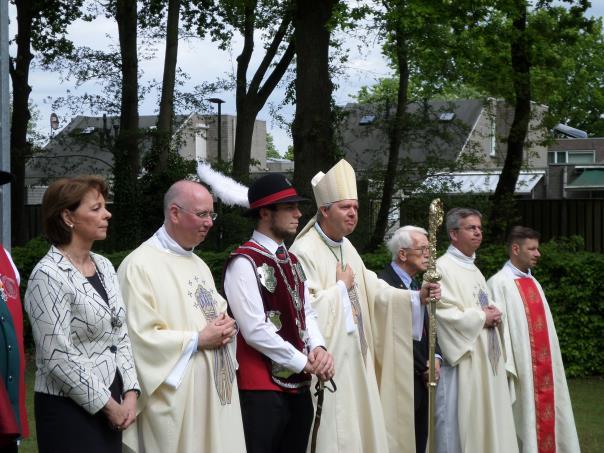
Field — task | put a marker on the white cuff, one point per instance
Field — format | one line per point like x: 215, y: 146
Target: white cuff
x: 298, y: 362
x: 346, y: 308
x: 417, y: 316
x: 178, y: 372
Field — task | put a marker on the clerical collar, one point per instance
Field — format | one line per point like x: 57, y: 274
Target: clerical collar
x: 330, y: 242
x: 266, y: 242
x: 404, y: 276
x: 162, y: 240
x: 462, y: 258
x: 515, y: 271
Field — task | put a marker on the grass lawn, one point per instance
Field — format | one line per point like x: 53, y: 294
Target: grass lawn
x: 587, y: 397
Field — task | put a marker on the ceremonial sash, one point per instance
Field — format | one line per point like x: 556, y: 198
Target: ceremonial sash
x: 543, y: 379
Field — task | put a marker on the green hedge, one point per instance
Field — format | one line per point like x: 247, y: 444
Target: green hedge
x: 573, y: 281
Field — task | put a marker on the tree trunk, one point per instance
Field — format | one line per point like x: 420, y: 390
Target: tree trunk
x: 395, y: 134
x: 166, y: 105
x: 251, y: 99
x: 127, y: 155
x: 244, y: 130
x: 20, y: 147
x: 313, y: 126
x: 503, y: 199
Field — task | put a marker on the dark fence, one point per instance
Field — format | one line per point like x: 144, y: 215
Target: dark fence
x: 561, y: 218
x: 552, y: 218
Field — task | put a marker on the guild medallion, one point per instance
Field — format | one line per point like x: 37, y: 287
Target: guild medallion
x: 274, y: 316
x: 266, y: 275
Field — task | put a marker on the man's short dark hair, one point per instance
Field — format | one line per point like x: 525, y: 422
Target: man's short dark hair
x: 66, y: 193
x: 519, y: 234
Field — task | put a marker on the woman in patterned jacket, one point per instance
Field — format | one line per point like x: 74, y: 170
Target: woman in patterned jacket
x: 86, y: 386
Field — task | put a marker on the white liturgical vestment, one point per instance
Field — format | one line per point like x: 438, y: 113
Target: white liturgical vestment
x: 524, y: 388
x: 474, y: 412
x: 189, y: 400
x: 372, y: 410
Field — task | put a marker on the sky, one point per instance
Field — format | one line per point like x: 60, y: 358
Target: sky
x: 203, y: 61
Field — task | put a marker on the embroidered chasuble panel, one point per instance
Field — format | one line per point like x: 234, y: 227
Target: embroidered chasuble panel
x: 205, y: 300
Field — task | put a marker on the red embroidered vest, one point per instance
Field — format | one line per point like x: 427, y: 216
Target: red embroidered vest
x: 279, y: 281
x: 12, y: 394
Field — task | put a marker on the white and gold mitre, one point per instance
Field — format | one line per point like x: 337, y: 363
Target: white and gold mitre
x: 339, y: 183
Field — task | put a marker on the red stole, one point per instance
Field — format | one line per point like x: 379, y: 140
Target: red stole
x: 10, y: 286
x: 543, y: 379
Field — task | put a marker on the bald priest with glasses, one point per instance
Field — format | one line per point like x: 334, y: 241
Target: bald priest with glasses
x: 182, y: 337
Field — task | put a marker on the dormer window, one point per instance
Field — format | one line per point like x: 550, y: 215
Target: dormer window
x: 366, y: 120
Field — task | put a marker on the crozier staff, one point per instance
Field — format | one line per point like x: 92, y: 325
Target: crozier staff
x: 86, y: 386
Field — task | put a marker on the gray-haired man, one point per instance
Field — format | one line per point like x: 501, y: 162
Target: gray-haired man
x: 474, y: 412
x: 410, y: 253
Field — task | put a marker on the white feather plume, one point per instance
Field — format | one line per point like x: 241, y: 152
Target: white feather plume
x: 227, y: 189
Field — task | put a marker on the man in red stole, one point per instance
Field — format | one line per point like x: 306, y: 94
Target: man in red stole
x: 279, y: 344
x: 13, y: 419
x: 541, y: 404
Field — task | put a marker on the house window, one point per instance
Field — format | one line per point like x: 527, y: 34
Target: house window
x: 571, y: 157
x: 366, y: 120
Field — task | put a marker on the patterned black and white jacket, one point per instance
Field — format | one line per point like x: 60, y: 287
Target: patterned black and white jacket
x: 78, y: 348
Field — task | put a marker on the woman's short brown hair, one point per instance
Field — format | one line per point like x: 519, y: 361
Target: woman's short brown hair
x: 66, y: 193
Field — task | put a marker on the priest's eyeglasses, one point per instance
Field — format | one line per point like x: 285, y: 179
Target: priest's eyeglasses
x: 424, y: 250
x: 201, y: 214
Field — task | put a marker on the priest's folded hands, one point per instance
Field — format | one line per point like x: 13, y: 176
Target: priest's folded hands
x: 493, y: 316
x: 429, y: 291
x: 217, y: 333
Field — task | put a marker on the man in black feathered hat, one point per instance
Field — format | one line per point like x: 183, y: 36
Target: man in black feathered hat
x: 279, y: 345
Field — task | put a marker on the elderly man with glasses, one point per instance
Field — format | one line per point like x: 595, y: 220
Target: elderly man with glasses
x: 410, y: 252
x: 182, y: 337
x: 473, y: 408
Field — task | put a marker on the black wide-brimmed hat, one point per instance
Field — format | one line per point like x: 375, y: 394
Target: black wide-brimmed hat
x: 6, y: 177
x: 271, y: 189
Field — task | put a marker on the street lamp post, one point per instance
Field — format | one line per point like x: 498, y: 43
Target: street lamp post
x: 219, y: 102
x: 5, y: 195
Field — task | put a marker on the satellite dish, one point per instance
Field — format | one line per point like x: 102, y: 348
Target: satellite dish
x: 54, y: 121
